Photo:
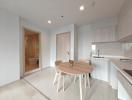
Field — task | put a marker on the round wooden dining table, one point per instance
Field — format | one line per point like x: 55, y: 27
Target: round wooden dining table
x: 77, y: 69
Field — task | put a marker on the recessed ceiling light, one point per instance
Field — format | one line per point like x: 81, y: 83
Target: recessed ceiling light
x: 49, y: 22
x: 81, y: 8
x: 93, y: 4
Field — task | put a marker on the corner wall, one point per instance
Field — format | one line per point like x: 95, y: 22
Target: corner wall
x: 9, y: 48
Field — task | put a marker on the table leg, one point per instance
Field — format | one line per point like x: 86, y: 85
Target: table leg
x: 80, y: 83
x: 88, y: 80
x: 55, y: 79
x: 59, y: 79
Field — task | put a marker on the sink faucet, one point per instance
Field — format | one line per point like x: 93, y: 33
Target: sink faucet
x: 98, y: 51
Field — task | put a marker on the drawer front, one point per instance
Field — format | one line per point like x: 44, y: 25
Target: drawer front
x: 126, y: 84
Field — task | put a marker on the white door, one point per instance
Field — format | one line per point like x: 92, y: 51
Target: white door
x: 63, y: 46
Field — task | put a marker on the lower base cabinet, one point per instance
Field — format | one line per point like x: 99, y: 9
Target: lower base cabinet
x: 113, y: 79
x: 124, y: 88
x: 105, y: 70
x: 100, y: 69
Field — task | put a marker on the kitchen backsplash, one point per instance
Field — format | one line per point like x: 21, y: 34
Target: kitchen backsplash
x: 127, y: 49
x: 115, y: 49
x: 110, y: 49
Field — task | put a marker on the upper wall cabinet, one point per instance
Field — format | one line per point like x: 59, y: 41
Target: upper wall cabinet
x: 106, y: 34
x: 124, y: 28
x: 102, y: 31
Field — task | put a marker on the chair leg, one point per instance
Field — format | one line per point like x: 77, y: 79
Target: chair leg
x: 63, y: 83
x: 59, y: 79
x: 88, y: 80
x: 85, y: 78
x: 55, y: 78
x: 75, y: 77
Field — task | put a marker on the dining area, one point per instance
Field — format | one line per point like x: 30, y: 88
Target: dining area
x: 76, y: 70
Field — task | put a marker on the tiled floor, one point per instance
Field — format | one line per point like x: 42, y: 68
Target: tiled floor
x: 39, y: 86
x: 44, y: 82
x: 20, y: 90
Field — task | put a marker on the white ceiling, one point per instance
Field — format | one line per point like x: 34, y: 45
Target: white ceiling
x: 39, y: 11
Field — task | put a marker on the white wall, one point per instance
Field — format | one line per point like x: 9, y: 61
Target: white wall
x: 69, y: 28
x: 125, y: 20
x: 45, y: 43
x: 9, y: 48
x: 99, y: 31
x: 112, y: 49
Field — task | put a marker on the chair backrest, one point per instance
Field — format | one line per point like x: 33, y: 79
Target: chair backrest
x: 57, y: 62
x: 85, y: 61
x: 71, y: 62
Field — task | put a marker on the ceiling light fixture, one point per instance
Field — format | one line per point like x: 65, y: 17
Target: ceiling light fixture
x: 81, y: 8
x: 93, y: 4
x: 49, y: 22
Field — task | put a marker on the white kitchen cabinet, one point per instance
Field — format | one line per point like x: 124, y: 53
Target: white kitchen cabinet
x: 113, y: 80
x: 122, y: 93
x: 100, y: 69
x: 124, y: 28
x: 105, y: 70
x: 124, y: 88
x: 98, y: 32
x: 106, y: 34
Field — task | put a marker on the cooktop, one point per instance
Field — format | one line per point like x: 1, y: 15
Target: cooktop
x: 128, y: 71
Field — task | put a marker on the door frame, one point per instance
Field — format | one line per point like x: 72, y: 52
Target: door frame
x: 23, y: 72
x: 69, y: 42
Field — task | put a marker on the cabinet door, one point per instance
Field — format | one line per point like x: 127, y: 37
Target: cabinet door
x: 113, y: 76
x: 104, y: 34
x: 122, y: 93
x: 124, y: 88
x: 100, y: 69
x: 96, y: 70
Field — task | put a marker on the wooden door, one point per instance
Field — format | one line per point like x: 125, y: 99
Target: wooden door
x: 63, y: 46
x: 31, y: 50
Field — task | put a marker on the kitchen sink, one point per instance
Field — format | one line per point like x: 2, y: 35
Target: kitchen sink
x: 128, y: 71
x: 97, y: 57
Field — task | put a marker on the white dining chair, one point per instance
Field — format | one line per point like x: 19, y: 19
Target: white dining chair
x: 58, y: 76
x: 87, y: 80
x: 85, y: 76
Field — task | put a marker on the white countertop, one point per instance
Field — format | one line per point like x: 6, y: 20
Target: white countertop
x: 120, y: 65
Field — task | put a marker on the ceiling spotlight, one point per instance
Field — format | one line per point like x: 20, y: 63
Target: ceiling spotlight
x: 62, y: 16
x: 49, y: 22
x: 81, y: 8
x: 93, y: 4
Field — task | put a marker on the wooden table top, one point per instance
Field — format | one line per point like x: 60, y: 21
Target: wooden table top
x: 77, y: 68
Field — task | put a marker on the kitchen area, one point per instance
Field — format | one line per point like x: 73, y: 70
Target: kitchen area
x: 110, y: 49
x: 93, y: 46
x: 114, y: 70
